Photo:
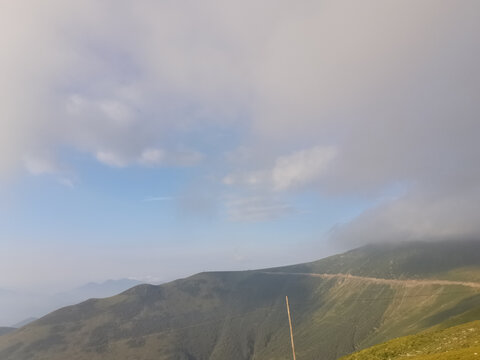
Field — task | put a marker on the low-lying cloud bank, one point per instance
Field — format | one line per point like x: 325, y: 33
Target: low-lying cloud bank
x: 413, y: 217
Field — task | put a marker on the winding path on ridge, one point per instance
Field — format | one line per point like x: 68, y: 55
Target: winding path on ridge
x: 405, y: 282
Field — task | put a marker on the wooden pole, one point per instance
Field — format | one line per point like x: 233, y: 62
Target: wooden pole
x: 291, y: 330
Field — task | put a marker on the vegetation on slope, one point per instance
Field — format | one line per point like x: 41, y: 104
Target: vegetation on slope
x: 459, y: 342
x: 449, y: 260
x: 241, y: 315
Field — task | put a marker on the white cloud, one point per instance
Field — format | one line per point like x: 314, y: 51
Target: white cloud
x: 180, y: 158
x: 65, y: 181
x: 185, y: 158
x: 302, y: 167
x: 44, y: 164
x: 229, y: 180
x: 40, y: 165
x: 397, y: 103
x: 419, y: 215
x: 117, y: 111
x: 152, y: 157
x: 256, y: 208
x: 298, y: 169
x: 260, y: 178
x: 112, y: 159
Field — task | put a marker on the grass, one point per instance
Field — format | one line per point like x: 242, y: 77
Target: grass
x: 241, y: 315
x: 458, y: 342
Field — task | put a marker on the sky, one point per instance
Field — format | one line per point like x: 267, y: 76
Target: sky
x: 157, y: 139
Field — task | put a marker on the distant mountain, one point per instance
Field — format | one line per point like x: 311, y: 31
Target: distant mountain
x: 94, y: 290
x: 24, y: 322
x: 5, y: 330
x: 106, y: 288
x: 17, y: 305
x: 21, y: 305
x: 339, y: 305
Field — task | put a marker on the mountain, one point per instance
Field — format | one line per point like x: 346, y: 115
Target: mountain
x: 18, y: 305
x: 24, y: 322
x: 25, y: 305
x: 94, y: 290
x: 5, y: 330
x: 339, y: 305
x: 449, y: 260
x: 459, y: 342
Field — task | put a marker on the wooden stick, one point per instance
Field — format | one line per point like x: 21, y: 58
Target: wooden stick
x: 291, y: 330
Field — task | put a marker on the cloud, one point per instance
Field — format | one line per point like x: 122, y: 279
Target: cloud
x: 256, y: 208
x: 44, y: 164
x: 68, y: 182
x: 40, y: 165
x: 151, y: 157
x: 111, y: 159
x: 299, y: 169
x: 336, y: 96
x: 185, y: 158
x: 117, y: 111
x: 419, y: 215
x: 251, y: 178
x: 302, y: 167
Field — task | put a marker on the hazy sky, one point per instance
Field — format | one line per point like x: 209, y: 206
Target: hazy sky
x: 155, y: 139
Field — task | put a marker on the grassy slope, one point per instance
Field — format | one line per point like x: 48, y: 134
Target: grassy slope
x: 459, y: 342
x: 448, y: 260
x: 241, y: 315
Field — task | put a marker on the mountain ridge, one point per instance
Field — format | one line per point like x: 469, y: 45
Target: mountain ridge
x: 400, y: 260
x: 406, y: 282
x: 24, y: 322
x: 241, y: 315
x: 24, y: 306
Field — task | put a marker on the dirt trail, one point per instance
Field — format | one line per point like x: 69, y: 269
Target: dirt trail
x: 406, y: 282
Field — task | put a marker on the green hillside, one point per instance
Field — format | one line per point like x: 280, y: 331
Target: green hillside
x: 459, y: 342
x: 241, y: 315
x: 449, y: 260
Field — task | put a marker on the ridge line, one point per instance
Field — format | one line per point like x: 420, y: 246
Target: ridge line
x: 406, y: 282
